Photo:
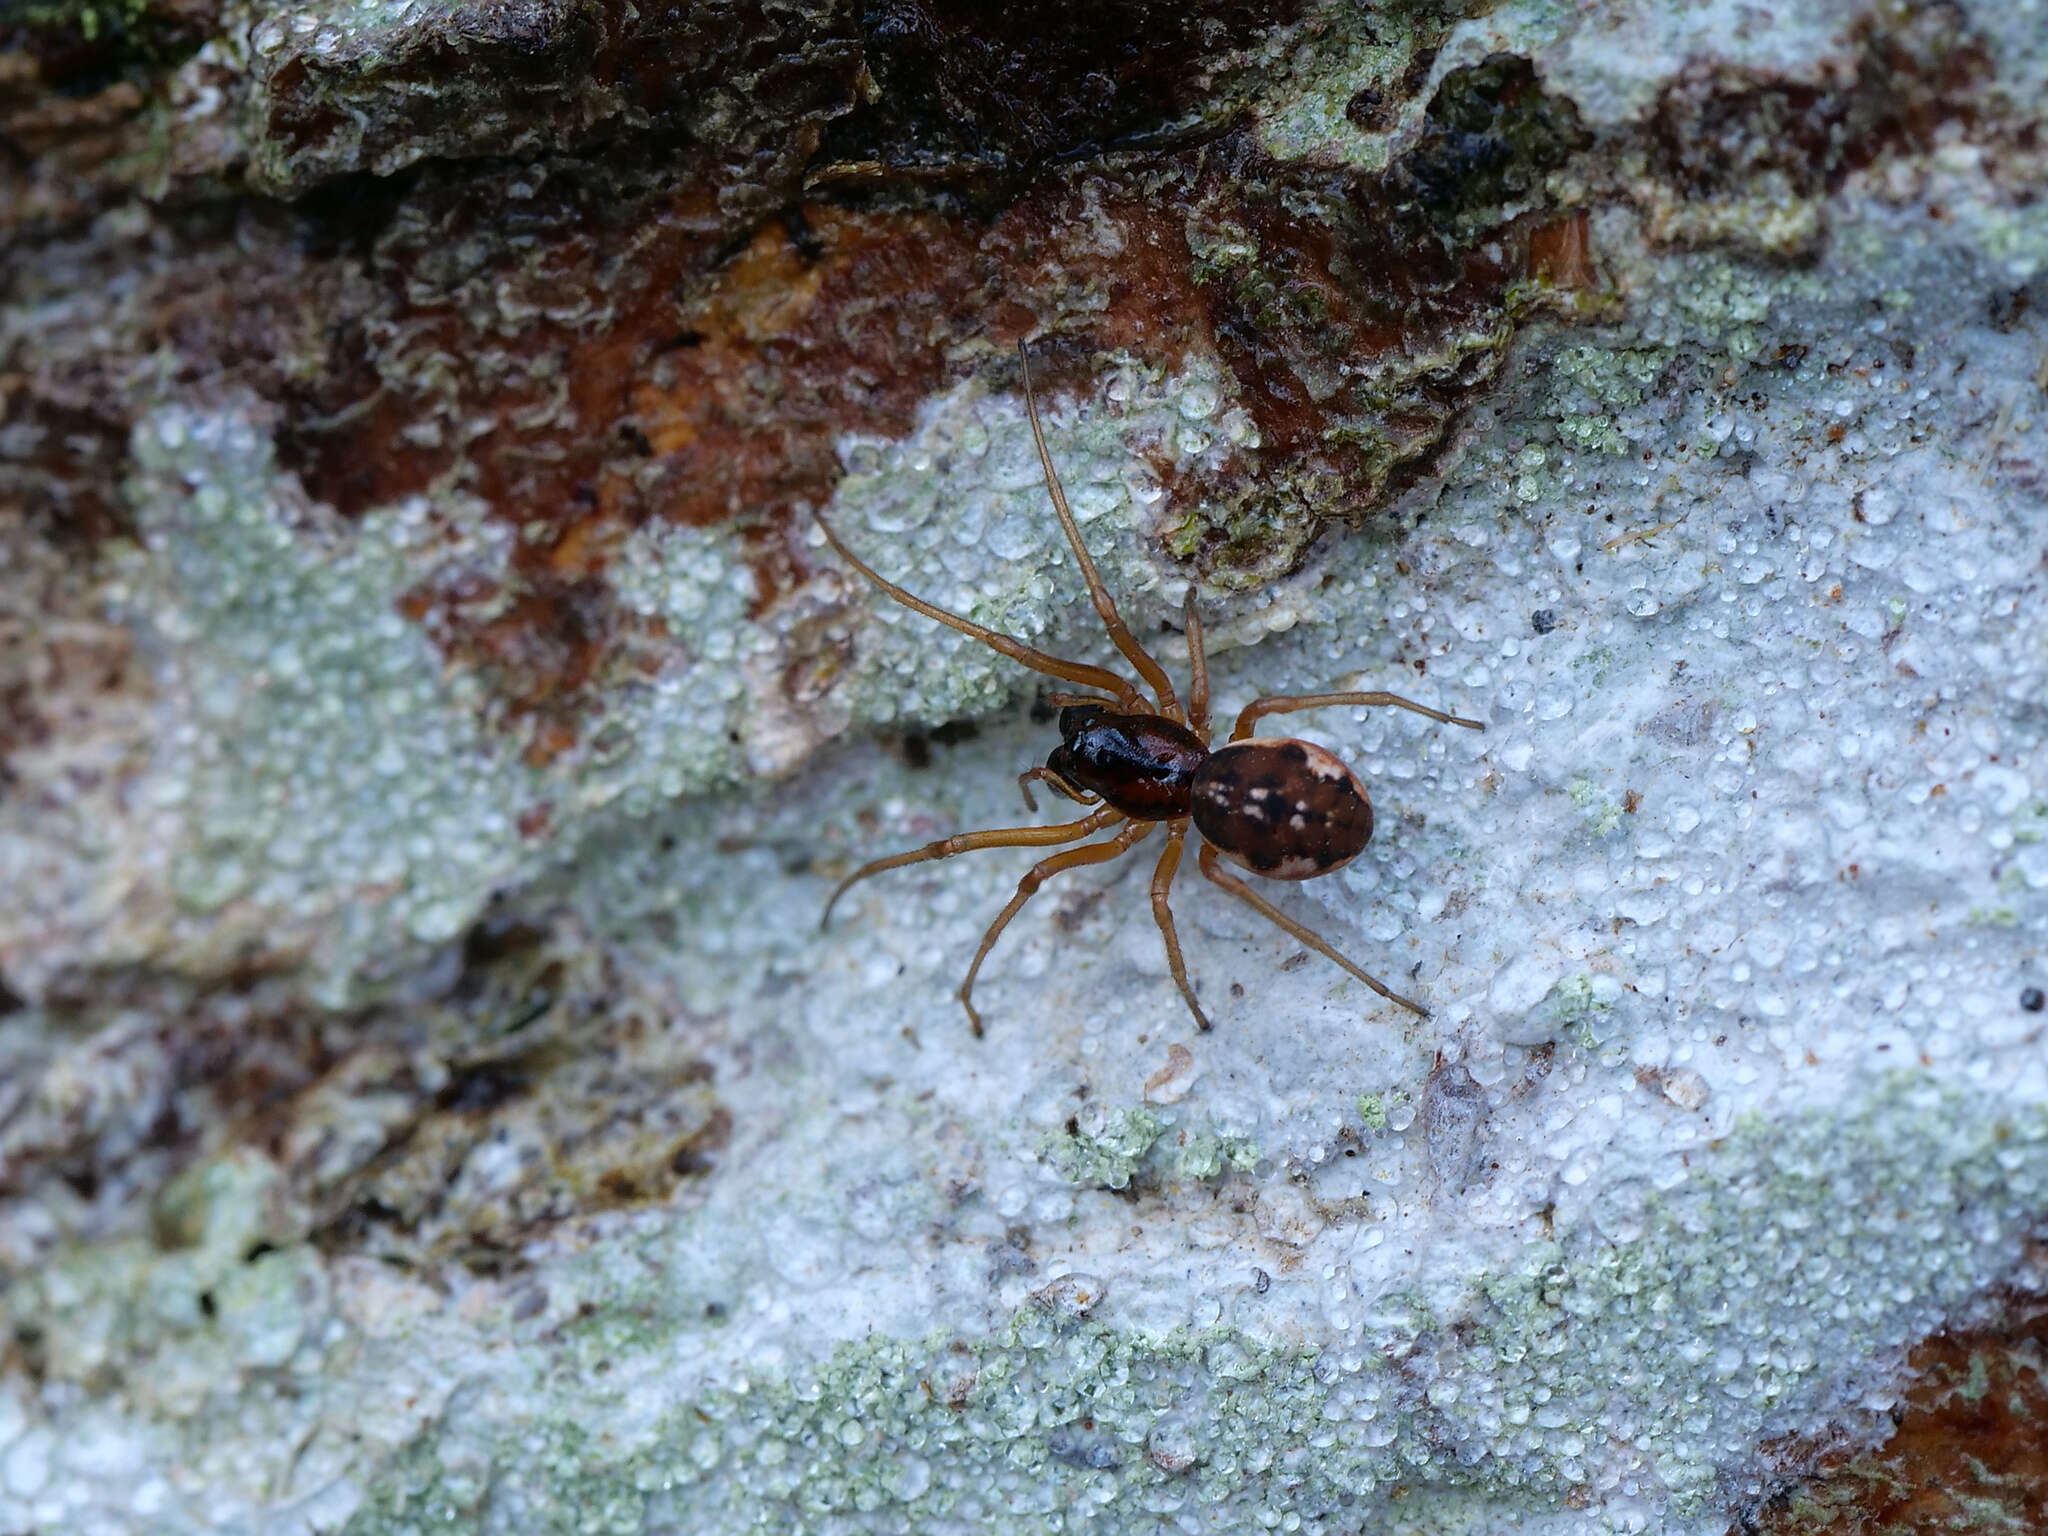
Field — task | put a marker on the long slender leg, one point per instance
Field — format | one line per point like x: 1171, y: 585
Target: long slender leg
x: 968, y: 842
x: 1288, y: 703
x: 1154, y: 674
x: 1198, y: 669
x: 1266, y: 909
x: 1162, y: 882
x: 1042, y: 871
x: 1016, y: 650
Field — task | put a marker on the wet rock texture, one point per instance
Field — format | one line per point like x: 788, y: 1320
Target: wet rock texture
x: 428, y: 717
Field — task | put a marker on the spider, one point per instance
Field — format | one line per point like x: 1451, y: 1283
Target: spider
x: 1278, y: 807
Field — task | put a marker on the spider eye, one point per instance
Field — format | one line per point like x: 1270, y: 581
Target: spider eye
x: 1076, y: 718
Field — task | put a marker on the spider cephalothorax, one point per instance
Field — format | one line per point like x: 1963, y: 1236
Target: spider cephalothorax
x: 1281, y: 808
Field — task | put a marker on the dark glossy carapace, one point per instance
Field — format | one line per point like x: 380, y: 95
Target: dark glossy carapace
x: 1285, y: 809
x: 1141, y: 764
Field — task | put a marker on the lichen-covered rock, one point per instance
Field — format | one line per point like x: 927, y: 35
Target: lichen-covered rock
x: 433, y: 722
x: 673, y: 301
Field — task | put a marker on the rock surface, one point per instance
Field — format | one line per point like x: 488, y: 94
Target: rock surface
x: 434, y: 721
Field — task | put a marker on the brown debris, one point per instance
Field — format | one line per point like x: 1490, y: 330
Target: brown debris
x: 1728, y: 147
x: 590, y: 1112
x: 1969, y: 1452
x: 1561, y: 253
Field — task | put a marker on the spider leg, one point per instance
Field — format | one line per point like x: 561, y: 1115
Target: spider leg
x: 1162, y: 882
x: 1150, y: 670
x: 1079, y: 796
x: 968, y: 842
x: 1198, y: 669
x: 1004, y: 645
x: 1042, y: 871
x: 1288, y: 703
x: 1266, y: 909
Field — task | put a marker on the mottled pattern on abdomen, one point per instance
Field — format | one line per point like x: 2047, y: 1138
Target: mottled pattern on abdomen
x: 1285, y: 809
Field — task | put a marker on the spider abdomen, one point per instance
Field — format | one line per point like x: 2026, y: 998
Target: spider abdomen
x: 1285, y: 809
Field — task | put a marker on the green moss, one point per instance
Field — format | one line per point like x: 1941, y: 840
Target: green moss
x: 92, y: 20
x: 1246, y: 542
x: 1379, y: 369
x: 1491, y: 133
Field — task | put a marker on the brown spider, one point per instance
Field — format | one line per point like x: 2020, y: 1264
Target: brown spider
x: 1285, y: 809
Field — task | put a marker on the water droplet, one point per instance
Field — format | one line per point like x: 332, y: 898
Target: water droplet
x: 913, y: 1476
x: 1171, y: 1445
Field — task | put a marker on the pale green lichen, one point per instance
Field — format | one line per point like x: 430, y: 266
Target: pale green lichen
x: 1206, y: 1155
x: 1668, y: 1357
x: 332, y: 775
x: 1994, y: 917
x: 1593, y: 388
x: 1721, y: 305
x: 1374, y: 1109
x: 1129, y: 1140
x: 1305, y: 113
x: 1596, y: 664
x: 1601, y: 814
x: 1109, y: 1156
x: 219, y: 1285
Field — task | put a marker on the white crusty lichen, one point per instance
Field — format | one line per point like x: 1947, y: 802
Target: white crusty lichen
x: 337, y: 795
x: 1630, y: 1366
x: 335, y: 792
